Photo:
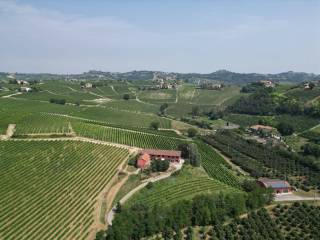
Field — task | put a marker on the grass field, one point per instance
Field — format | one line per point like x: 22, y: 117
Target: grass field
x: 158, y: 96
x: 49, y: 189
x: 184, y: 185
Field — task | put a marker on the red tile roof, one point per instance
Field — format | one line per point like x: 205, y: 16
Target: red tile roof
x: 162, y: 152
x: 257, y: 127
x: 143, y: 160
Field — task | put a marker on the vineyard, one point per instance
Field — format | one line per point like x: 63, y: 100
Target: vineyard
x: 184, y: 185
x: 49, y: 189
x: 216, y: 166
x: 43, y: 123
x: 126, y: 137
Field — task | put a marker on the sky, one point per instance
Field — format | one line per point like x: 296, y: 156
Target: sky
x: 74, y: 36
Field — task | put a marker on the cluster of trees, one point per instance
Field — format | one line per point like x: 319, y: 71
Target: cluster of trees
x: 298, y: 221
x: 141, y: 221
x: 57, y: 101
x: 159, y: 165
x: 199, y: 123
x: 285, y: 128
x: 311, y: 149
x: 189, y: 151
x: 258, y: 103
x: 267, y: 161
x: 254, y: 87
x: 163, y: 108
x: 262, y: 102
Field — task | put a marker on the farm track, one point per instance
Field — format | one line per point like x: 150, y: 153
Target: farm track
x: 144, y: 183
x: 81, y: 139
x: 123, y: 129
x: 13, y: 94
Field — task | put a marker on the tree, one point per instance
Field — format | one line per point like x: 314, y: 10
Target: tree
x: 285, y: 129
x: 195, y: 110
x: 311, y: 85
x: 163, y: 108
x: 155, y: 125
x: 118, y: 207
x: 194, y: 156
x: 101, y: 235
x: 192, y: 132
x: 126, y: 96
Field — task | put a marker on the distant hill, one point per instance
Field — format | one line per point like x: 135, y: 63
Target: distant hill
x: 224, y: 76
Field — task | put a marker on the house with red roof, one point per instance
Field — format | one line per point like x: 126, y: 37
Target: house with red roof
x: 147, y: 155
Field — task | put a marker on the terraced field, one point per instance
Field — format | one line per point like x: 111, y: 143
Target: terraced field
x: 49, y: 189
x: 185, y: 185
x: 127, y: 137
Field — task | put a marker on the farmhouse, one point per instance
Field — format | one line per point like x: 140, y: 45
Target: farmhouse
x: 147, y: 155
x: 267, y: 83
x: 279, y: 186
x: 143, y: 161
x: 258, y: 127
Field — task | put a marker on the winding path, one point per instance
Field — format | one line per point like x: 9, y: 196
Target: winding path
x: 111, y: 214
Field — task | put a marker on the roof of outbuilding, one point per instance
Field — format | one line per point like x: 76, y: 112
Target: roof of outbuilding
x: 274, y: 183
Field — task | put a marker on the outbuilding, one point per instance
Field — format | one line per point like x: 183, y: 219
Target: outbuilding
x: 279, y: 186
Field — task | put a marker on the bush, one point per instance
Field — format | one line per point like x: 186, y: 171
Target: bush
x: 155, y: 125
x: 126, y: 96
x: 192, y: 132
x: 57, y: 101
x: 285, y: 129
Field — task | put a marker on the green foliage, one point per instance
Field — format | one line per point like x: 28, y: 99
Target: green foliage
x: 141, y: 220
x: 285, y: 128
x: 57, y: 101
x: 163, y: 108
x: 192, y: 132
x: 159, y: 165
x: 155, y: 125
x: 266, y: 161
x: 126, y: 96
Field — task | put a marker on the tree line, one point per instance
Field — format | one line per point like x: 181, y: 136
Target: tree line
x: 141, y: 221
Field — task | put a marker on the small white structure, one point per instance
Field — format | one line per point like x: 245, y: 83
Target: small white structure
x: 88, y: 85
x: 25, y: 89
x: 267, y: 83
x: 22, y: 82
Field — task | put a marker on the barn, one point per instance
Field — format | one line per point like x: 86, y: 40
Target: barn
x: 279, y: 186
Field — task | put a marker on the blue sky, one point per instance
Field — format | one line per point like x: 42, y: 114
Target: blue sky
x: 182, y: 36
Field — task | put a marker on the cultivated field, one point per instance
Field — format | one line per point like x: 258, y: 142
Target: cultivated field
x: 49, y: 189
x: 184, y: 185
